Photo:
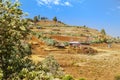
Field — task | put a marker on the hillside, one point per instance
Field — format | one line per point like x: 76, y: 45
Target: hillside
x: 92, y: 62
x: 63, y: 32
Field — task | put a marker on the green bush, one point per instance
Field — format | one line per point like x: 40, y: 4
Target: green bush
x: 66, y: 43
x: 117, y: 77
x: 82, y: 79
x: 49, y: 41
x: 51, y: 65
x: 37, y: 34
x: 67, y: 77
x: 48, y: 69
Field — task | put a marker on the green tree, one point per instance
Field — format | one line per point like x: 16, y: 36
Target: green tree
x: 13, y: 32
x: 55, y: 19
x: 36, y: 19
x: 44, y: 18
x: 103, y: 37
x: 103, y: 32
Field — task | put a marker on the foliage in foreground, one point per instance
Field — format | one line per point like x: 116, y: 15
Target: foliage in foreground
x: 14, y: 51
x: 13, y: 32
x: 48, y: 69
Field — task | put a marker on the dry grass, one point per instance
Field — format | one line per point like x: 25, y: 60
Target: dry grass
x: 103, y: 66
x: 36, y: 58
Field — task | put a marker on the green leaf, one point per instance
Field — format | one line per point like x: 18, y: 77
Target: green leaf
x: 22, y: 28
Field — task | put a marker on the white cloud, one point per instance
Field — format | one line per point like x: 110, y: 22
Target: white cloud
x: 67, y: 3
x: 39, y: 2
x: 53, y: 2
x: 47, y: 2
x: 56, y: 2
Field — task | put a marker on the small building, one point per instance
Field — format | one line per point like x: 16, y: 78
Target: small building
x: 60, y: 45
x: 75, y: 44
x: 78, y: 44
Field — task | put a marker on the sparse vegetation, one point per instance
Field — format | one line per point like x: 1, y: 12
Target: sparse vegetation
x: 103, y: 32
x: 49, y: 41
x: 67, y: 77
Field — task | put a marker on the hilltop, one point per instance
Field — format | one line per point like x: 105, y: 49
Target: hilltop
x: 46, y: 23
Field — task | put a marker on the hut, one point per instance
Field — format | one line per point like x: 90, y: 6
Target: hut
x: 60, y: 45
x: 75, y: 44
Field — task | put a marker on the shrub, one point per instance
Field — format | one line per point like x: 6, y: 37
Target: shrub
x: 49, y: 41
x: 103, y: 32
x: 48, y: 69
x: 51, y: 65
x: 67, y: 77
x: 117, y: 77
x: 66, y: 43
x: 37, y: 34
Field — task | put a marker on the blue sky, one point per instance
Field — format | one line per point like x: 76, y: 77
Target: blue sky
x: 96, y: 14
